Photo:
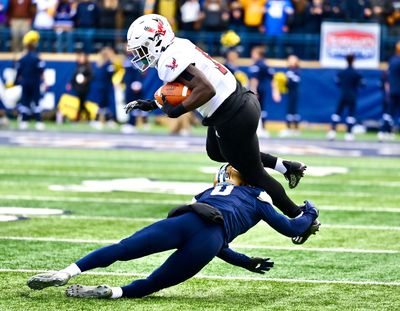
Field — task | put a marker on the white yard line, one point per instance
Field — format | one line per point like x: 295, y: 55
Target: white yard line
x: 161, y: 201
x: 230, y: 278
x: 243, y: 246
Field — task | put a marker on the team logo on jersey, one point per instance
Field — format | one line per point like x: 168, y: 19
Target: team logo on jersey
x: 173, y: 65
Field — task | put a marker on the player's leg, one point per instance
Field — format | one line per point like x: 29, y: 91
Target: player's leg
x: 25, y: 108
x: 166, y: 234
x: 183, y: 264
x: 239, y: 143
x: 212, y: 146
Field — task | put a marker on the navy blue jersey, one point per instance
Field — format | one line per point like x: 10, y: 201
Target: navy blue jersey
x: 394, y: 75
x: 260, y: 71
x: 349, y: 80
x: 30, y: 69
x: 242, y: 207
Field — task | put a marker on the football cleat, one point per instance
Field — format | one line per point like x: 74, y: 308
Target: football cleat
x: 81, y: 291
x: 314, y: 227
x: 294, y: 172
x: 41, y: 281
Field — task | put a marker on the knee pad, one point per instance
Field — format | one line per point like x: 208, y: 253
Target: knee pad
x: 350, y: 120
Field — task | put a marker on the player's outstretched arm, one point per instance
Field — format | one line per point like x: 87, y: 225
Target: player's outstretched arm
x: 202, y: 89
x: 253, y: 264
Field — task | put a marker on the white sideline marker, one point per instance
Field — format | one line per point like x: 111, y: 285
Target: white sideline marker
x: 244, y: 246
x: 211, y: 277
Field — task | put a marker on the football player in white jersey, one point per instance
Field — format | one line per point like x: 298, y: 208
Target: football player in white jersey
x: 230, y: 111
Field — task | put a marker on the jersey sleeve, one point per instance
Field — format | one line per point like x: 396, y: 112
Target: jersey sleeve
x: 173, y: 64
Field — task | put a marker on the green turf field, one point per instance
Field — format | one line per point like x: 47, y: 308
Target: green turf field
x: 352, y: 264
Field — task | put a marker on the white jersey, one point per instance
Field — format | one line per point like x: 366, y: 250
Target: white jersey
x: 180, y: 54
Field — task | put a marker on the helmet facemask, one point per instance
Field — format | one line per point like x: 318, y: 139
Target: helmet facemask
x: 142, y: 59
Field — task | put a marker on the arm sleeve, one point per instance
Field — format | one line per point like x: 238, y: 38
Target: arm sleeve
x: 290, y: 227
x: 234, y: 258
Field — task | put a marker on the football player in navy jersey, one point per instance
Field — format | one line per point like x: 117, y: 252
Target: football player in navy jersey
x: 198, y: 231
x: 230, y: 111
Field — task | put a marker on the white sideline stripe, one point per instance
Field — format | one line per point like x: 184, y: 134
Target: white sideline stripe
x: 211, y: 277
x: 17, y: 197
x: 149, y: 219
x: 244, y: 246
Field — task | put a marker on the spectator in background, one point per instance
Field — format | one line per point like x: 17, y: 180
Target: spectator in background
x: 215, y: 15
x: 394, y: 94
x: 253, y: 14
x: 131, y: 10
x: 334, y: 9
x: 44, y: 22
x: 236, y: 21
x: 381, y: 10
x: 20, y: 13
x: 357, y: 10
x: 314, y: 16
x: 190, y: 15
x: 103, y: 88
x: 393, y: 19
x: 299, y: 20
x: 30, y: 76
x: 133, y: 80
x: 276, y: 17
x: 260, y: 78
x: 63, y: 25
x: 108, y: 12
x: 80, y: 83
x: 292, y: 84
x: 86, y: 21
x: 383, y: 86
x: 349, y: 81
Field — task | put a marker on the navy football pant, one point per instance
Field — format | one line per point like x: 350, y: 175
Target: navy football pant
x: 196, y: 241
x: 236, y: 142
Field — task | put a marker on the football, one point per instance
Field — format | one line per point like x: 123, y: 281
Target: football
x: 175, y: 93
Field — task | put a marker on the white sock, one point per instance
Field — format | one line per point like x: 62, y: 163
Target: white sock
x: 72, y: 270
x: 279, y: 166
x: 116, y: 292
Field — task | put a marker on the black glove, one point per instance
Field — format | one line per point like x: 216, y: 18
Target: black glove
x: 170, y: 110
x: 259, y: 265
x: 141, y: 104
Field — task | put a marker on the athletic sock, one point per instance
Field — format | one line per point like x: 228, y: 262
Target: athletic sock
x: 72, y: 270
x: 116, y: 292
x: 279, y: 166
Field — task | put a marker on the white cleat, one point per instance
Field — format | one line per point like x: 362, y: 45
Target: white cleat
x: 23, y: 125
x: 331, y: 135
x: 128, y: 129
x: 40, y: 126
x: 81, y: 291
x: 348, y: 137
x: 41, y: 281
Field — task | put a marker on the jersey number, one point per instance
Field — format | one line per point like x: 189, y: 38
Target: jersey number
x: 222, y: 190
x: 220, y: 67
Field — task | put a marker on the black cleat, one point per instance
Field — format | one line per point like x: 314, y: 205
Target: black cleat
x: 295, y: 171
x: 311, y: 230
x: 82, y: 291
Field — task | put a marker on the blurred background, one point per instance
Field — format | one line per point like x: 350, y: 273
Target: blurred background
x: 289, y: 52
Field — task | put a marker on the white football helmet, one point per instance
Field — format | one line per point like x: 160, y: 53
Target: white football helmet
x: 228, y: 175
x: 148, y: 36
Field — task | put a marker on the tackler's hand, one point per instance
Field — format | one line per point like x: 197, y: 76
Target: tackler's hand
x: 170, y: 110
x: 259, y: 265
x: 141, y: 104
